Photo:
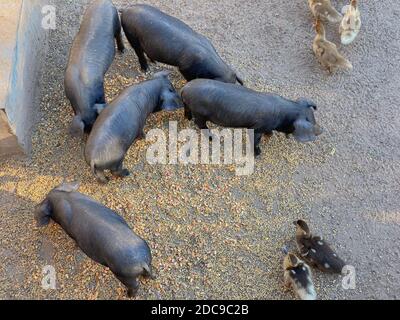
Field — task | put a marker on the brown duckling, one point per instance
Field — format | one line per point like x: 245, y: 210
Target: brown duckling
x: 327, y: 52
x: 351, y: 23
x: 298, y: 276
x: 323, y: 9
x: 317, y: 251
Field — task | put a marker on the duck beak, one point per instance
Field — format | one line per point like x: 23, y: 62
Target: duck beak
x: 347, y: 38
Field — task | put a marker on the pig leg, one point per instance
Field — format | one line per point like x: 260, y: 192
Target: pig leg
x: 77, y: 127
x: 43, y: 213
x: 119, y: 171
x: 148, y: 272
x: 132, y: 292
x: 100, y: 176
x: 132, y: 285
x: 118, y: 33
x: 142, y: 59
x: 269, y: 135
x: 257, y: 140
x: 120, y: 42
x: 141, y: 135
x: 192, y: 71
x: 139, y: 52
x: 188, y: 113
x: 100, y: 104
x: 151, y: 60
x: 102, y: 97
x: 201, y: 122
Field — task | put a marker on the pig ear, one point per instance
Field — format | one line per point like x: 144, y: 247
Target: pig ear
x: 68, y: 187
x: 240, y: 80
x: 304, y: 131
x: 307, y: 103
x: 99, y: 107
x: 162, y: 74
x: 312, y: 105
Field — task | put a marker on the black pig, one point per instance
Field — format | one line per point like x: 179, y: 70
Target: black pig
x: 92, y: 53
x: 234, y: 106
x: 168, y: 40
x: 101, y: 233
x: 123, y: 121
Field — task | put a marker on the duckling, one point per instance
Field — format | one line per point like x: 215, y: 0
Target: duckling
x: 326, y: 51
x: 297, y: 275
x: 351, y: 23
x: 323, y: 9
x: 317, y: 251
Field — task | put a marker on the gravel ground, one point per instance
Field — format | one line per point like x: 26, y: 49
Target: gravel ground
x: 213, y: 234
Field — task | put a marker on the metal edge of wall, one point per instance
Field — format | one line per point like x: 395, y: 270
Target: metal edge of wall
x: 22, y: 102
x: 9, y: 145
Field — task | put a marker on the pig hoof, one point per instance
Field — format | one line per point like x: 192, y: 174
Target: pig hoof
x: 132, y: 293
x: 125, y: 173
x: 152, y: 277
x: 142, y: 136
x: 188, y: 114
x: 144, y: 68
x: 121, y: 174
x: 103, y: 180
x: 257, y: 151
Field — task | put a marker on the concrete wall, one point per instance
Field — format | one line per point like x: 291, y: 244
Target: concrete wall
x: 9, y: 19
x: 23, y: 44
x: 8, y: 141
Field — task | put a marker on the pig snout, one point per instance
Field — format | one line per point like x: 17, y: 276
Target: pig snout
x: 170, y: 99
x: 173, y: 103
x: 318, y: 130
